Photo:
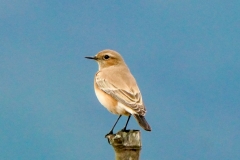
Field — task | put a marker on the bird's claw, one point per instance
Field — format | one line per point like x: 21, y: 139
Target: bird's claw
x: 111, y: 132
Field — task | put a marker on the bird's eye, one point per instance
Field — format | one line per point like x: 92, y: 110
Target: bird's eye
x: 106, y: 57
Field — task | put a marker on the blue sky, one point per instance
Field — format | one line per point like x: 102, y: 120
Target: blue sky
x: 184, y: 55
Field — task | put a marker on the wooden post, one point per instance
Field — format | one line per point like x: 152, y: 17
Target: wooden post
x: 127, y: 144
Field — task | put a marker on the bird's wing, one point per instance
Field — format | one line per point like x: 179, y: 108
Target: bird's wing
x: 127, y: 97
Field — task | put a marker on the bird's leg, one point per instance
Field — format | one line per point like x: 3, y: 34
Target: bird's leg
x: 124, y: 129
x: 111, y: 132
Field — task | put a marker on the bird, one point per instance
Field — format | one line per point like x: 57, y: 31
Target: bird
x: 117, y: 90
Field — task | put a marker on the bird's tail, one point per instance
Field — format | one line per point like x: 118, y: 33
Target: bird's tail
x: 142, y: 122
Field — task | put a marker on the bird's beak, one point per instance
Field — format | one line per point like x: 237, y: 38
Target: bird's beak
x: 94, y: 58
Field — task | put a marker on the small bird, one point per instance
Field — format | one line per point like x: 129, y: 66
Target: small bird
x: 117, y: 90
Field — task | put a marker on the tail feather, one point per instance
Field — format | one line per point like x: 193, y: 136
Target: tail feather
x: 142, y: 122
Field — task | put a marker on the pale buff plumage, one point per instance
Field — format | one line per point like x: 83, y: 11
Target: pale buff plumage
x: 116, y: 88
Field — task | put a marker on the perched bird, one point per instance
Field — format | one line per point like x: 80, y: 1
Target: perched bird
x: 117, y: 90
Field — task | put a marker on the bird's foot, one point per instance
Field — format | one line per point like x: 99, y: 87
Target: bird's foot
x: 125, y: 130
x: 106, y: 136
x: 111, y: 132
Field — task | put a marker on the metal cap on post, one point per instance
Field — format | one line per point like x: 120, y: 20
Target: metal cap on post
x: 127, y: 144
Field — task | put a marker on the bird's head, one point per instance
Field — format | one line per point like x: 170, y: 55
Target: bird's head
x: 107, y: 58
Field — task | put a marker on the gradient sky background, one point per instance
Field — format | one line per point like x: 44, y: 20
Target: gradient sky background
x: 185, y: 55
